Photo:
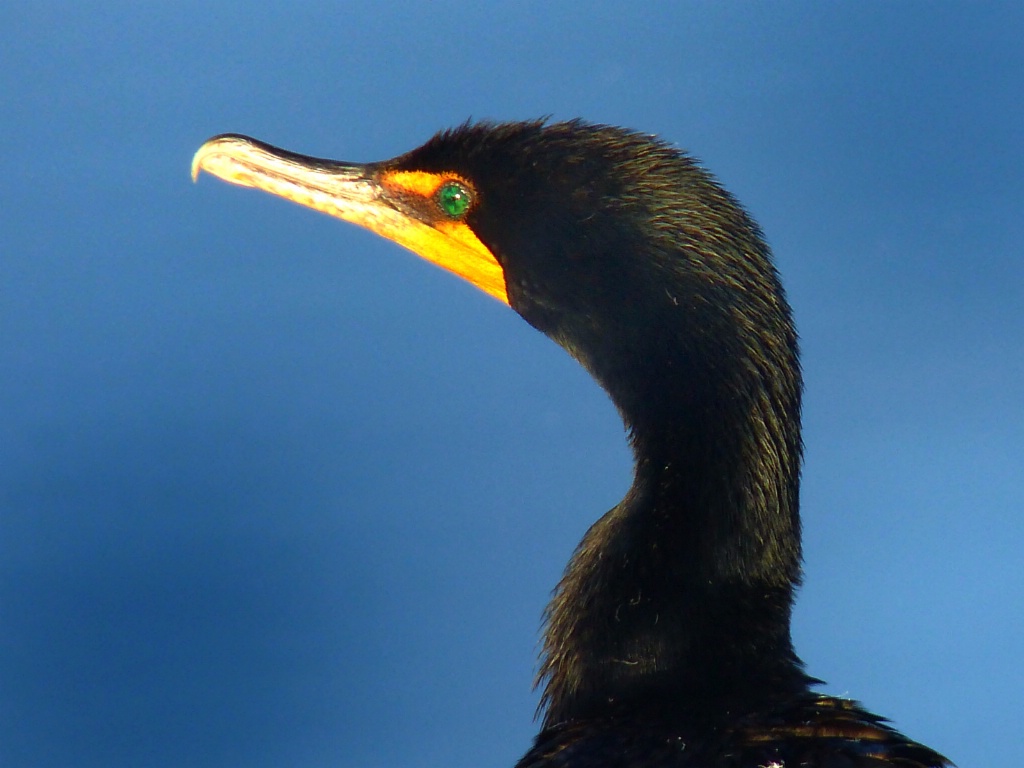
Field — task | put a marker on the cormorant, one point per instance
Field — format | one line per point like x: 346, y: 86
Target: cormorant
x: 667, y: 642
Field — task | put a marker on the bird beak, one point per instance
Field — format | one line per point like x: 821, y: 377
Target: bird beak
x: 360, y: 194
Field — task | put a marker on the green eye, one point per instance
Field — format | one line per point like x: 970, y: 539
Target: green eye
x: 454, y: 199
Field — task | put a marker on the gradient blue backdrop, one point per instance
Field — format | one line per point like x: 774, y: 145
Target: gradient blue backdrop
x: 273, y: 492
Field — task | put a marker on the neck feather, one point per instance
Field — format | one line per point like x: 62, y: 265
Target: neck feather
x: 682, y: 593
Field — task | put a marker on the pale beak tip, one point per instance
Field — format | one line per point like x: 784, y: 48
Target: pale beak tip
x: 197, y: 163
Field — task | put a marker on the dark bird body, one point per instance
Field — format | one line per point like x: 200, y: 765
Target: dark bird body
x: 667, y: 642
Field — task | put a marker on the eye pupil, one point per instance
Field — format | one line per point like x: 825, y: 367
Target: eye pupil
x: 454, y: 199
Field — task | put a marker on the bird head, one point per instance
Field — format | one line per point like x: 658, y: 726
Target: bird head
x: 616, y: 245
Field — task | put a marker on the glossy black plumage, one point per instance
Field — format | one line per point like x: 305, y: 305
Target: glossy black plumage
x: 667, y: 642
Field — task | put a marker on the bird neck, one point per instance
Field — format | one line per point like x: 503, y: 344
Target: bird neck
x: 681, y: 595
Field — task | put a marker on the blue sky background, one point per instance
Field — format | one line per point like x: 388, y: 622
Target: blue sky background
x: 274, y: 492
